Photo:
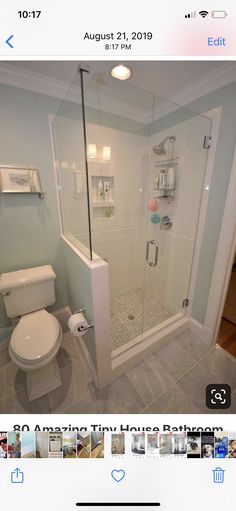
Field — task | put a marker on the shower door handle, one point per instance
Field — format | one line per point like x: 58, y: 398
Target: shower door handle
x: 153, y: 243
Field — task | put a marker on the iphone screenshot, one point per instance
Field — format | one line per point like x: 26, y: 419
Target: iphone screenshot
x: 117, y: 255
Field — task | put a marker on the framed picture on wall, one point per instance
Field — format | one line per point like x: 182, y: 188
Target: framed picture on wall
x: 19, y: 180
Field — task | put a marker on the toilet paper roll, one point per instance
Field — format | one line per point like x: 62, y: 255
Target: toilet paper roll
x: 77, y: 324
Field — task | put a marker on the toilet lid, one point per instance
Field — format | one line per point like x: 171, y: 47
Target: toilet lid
x: 35, y: 335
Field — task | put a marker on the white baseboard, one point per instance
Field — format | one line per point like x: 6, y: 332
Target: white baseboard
x: 201, y: 331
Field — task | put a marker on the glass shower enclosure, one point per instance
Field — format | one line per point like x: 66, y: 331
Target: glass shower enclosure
x: 131, y: 169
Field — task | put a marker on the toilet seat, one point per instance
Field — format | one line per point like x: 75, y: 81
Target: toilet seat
x: 35, y: 340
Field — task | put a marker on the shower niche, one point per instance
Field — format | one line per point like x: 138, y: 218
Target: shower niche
x: 102, y: 197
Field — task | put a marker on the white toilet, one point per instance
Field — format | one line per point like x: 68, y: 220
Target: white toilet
x: 37, y: 336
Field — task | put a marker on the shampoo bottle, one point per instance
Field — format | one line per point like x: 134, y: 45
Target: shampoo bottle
x: 171, y: 178
x: 107, y: 191
x: 100, y: 191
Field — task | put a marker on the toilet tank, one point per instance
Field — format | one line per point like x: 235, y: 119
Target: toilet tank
x: 25, y: 291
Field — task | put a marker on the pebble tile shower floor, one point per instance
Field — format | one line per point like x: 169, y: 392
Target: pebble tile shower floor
x: 133, y: 313
x: 172, y: 380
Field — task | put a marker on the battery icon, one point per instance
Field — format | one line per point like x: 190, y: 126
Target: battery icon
x: 218, y: 14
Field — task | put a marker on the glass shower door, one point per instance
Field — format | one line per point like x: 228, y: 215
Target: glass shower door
x: 178, y: 163
x: 118, y: 131
x: 146, y: 166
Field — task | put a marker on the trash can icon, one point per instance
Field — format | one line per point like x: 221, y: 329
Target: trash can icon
x: 218, y: 475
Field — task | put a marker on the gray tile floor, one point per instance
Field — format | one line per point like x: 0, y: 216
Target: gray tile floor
x: 134, y: 313
x: 172, y: 380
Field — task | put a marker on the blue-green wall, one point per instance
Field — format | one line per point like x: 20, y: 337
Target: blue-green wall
x: 29, y: 227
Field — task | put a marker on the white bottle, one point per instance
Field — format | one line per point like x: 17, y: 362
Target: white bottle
x: 162, y: 179
x: 171, y: 178
x: 107, y: 196
x: 100, y: 191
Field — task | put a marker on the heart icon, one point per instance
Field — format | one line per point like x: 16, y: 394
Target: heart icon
x: 118, y: 475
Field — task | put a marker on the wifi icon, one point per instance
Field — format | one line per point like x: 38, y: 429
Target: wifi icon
x: 203, y: 14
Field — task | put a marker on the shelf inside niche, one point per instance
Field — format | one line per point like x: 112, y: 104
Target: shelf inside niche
x: 103, y: 212
x: 103, y: 204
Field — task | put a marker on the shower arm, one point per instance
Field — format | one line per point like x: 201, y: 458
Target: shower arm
x: 171, y: 139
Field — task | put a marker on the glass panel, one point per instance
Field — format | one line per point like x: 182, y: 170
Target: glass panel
x: 118, y: 129
x: 71, y: 167
x: 178, y: 162
x: 137, y: 196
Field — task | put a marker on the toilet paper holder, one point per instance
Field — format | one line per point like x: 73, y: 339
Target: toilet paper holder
x: 78, y: 311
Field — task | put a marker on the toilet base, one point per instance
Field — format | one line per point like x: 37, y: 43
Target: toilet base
x: 42, y: 381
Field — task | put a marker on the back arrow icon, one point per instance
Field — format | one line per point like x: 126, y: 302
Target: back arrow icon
x: 8, y: 41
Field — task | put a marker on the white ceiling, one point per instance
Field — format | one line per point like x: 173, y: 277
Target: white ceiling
x: 165, y: 79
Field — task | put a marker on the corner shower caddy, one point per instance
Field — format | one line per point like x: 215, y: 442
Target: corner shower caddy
x: 165, y: 165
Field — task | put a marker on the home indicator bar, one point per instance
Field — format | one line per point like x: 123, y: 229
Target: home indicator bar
x: 118, y: 504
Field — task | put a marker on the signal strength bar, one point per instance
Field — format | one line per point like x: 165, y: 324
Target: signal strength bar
x: 191, y: 15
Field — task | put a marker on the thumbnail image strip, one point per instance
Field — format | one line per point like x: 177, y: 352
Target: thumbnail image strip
x: 152, y: 444
x: 138, y: 444
x: 28, y: 444
x: 117, y: 444
x: 69, y: 445
x: 221, y: 444
x: 207, y: 445
x: 179, y: 444
x: 97, y: 445
x: 83, y: 447
x: 193, y: 445
x: 3, y: 444
x: 165, y: 442
x: 55, y: 445
x: 42, y: 444
x: 232, y: 445
x: 14, y: 445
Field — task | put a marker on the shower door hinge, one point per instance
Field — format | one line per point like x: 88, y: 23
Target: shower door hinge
x: 207, y: 142
x: 185, y: 302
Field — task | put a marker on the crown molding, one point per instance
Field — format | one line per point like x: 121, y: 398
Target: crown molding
x: 36, y: 82
x: 42, y: 84
x: 212, y: 81
x: 25, y: 79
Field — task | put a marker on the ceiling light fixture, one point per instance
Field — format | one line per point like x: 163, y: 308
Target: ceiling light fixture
x: 121, y: 72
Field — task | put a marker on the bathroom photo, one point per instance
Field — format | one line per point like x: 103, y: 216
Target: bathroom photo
x: 97, y: 445
x: 28, y: 444
x: 55, y: 445
x: 117, y: 444
x: 42, y: 444
x: 117, y: 228
x: 138, y: 444
x: 83, y: 444
x: 69, y: 445
x: 14, y: 445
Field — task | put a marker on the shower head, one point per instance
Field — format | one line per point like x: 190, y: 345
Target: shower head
x: 160, y: 149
